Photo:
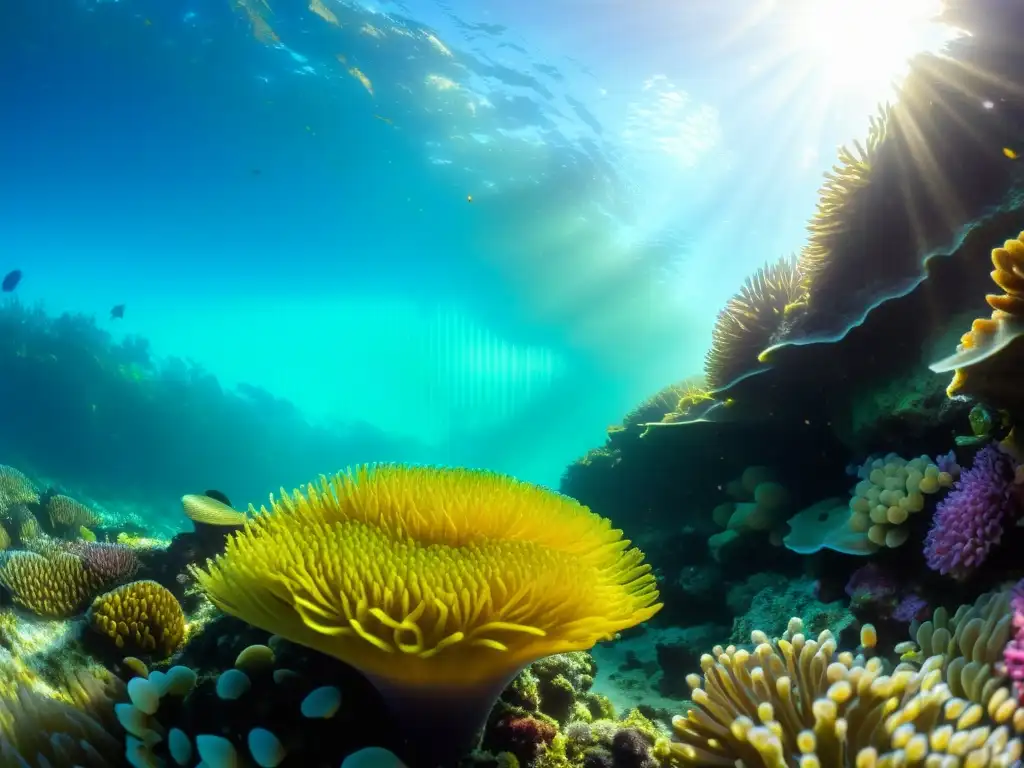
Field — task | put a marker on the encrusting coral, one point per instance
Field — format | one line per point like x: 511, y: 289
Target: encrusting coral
x: 141, y: 617
x: 438, y: 584
x: 797, y: 701
x: 747, y: 324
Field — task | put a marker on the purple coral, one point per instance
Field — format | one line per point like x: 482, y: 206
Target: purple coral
x: 910, y: 608
x: 970, y: 520
x: 111, y: 562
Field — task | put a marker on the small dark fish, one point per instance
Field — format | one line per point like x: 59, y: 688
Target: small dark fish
x: 256, y: 171
x: 117, y: 312
x: 11, y: 280
x: 221, y: 497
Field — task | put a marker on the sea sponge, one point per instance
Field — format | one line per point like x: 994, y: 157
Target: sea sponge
x: 970, y: 520
x: 67, y: 514
x: 797, y: 701
x: 990, y: 355
x: 141, y: 617
x: 890, y: 491
x: 439, y: 584
x: 56, y: 586
x: 750, y: 320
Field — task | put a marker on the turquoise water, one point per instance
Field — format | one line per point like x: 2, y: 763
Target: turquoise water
x: 480, y: 232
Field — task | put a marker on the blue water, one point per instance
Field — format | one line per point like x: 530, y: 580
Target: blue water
x: 520, y: 224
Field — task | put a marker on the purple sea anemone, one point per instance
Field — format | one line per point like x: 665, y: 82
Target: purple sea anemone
x: 970, y: 520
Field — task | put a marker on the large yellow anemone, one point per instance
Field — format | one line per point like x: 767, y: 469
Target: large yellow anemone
x: 432, y: 576
x: 432, y: 581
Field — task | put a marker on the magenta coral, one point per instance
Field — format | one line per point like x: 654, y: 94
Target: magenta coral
x: 1013, y: 654
x: 970, y: 520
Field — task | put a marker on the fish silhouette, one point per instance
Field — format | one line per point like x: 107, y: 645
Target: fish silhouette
x: 117, y: 312
x: 11, y: 280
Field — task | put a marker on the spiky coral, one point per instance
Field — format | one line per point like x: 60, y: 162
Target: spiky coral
x: 797, y: 701
x: 68, y: 514
x: 15, y: 489
x: 988, y: 357
x: 141, y: 617
x: 56, y: 586
x: 838, y: 197
x: 438, y: 584
x: 58, y: 579
x: 111, y: 563
x: 750, y: 320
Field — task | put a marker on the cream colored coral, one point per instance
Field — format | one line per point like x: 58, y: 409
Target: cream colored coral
x: 891, y: 492
x: 970, y: 644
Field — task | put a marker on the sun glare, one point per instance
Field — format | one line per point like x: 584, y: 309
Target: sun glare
x: 864, y: 44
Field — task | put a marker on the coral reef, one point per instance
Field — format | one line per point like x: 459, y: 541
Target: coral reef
x: 815, y: 705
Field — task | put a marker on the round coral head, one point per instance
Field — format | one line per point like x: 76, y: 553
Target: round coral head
x: 432, y: 578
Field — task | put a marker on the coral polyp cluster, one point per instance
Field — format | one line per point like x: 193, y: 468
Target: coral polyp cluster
x: 141, y: 617
x: 747, y: 324
x: 893, y: 489
x: 799, y: 701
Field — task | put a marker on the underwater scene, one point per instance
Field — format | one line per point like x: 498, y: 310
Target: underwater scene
x: 476, y: 384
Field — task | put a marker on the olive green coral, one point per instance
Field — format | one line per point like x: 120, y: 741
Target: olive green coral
x: 796, y: 701
x: 15, y: 489
x: 69, y: 514
x: 56, y: 585
x: 142, y: 617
